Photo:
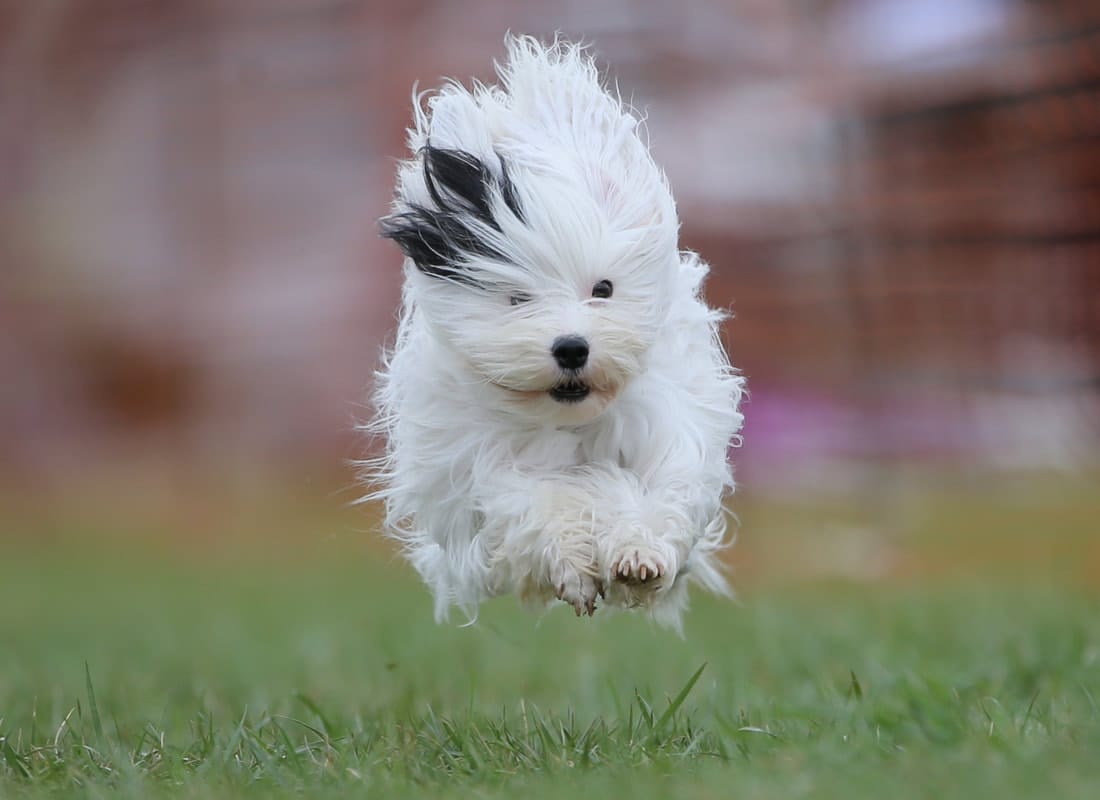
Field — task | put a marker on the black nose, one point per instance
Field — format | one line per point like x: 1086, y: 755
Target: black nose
x: 571, y: 352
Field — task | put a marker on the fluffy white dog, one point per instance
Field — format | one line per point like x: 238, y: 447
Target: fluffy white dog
x: 557, y: 407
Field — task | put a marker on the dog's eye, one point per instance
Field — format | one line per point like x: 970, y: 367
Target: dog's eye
x: 602, y: 289
x: 518, y: 298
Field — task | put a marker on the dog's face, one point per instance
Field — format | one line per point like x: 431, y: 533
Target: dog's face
x: 549, y: 285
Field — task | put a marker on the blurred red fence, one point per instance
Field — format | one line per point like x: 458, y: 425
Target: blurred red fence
x: 900, y: 200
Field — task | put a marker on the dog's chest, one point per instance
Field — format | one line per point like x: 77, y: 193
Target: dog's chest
x: 562, y: 449
x: 551, y: 449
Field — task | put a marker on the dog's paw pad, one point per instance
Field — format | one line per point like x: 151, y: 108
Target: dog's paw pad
x: 577, y: 588
x: 638, y: 566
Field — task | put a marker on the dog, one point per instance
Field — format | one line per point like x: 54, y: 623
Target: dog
x: 557, y: 406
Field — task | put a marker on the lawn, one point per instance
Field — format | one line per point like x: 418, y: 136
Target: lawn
x: 142, y: 663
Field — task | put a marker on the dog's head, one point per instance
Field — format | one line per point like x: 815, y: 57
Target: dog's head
x: 540, y: 237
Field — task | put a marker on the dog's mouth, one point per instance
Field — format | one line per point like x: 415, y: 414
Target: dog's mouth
x: 571, y: 391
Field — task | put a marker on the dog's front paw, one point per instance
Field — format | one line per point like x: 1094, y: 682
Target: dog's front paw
x: 639, y: 573
x: 576, y: 587
x: 638, y: 566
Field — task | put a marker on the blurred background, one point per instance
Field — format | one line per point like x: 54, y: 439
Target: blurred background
x: 900, y: 200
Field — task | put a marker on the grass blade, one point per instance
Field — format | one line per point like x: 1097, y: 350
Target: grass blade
x: 14, y: 760
x: 312, y: 706
x: 645, y: 708
x: 854, y: 688
x: 97, y: 724
x: 678, y: 701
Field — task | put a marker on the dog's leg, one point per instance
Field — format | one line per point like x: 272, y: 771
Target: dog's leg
x: 543, y: 540
x: 573, y: 573
x: 644, y: 553
x: 674, y: 523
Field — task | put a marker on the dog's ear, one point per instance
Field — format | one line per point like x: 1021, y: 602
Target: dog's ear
x: 458, y: 181
x: 441, y: 238
x: 508, y: 190
x: 435, y: 243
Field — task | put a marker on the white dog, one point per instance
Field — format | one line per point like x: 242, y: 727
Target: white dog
x: 557, y: 407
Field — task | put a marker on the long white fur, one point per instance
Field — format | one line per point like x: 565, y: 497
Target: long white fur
x: 491, y: 485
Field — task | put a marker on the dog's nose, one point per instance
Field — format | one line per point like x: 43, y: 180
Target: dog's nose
x: 571, y: 352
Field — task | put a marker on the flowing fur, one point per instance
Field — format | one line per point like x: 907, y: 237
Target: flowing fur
x: 518, y: 199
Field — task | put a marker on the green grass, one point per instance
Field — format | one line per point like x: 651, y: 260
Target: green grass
x: 312, y: 667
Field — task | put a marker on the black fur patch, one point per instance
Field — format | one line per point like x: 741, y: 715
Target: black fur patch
x: 440, y: 239
x: 508, y: 190
x: 456, y: 181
